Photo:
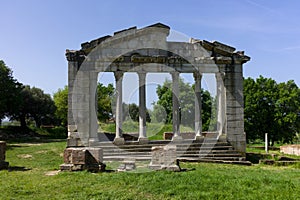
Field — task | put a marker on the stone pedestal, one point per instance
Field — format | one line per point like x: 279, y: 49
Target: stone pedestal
x: 199, y: 137
x: 143, y: 140
x: 177, y: 138
x: 83, y: 158
x: 127, y: 166
x: 164, y: 158
x: 119, y: 141
x: 3, y: 164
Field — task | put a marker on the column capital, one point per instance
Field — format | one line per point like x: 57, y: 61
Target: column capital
x: 197, y: 75
x: 175, y: 74
x: 142, y: 74
x: 118, y: 75
x: 75, y: 56
x: 220, y: 75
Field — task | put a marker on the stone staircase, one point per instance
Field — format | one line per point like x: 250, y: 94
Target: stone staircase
x: 208, y: 149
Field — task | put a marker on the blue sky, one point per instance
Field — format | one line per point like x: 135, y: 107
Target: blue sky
x: 34, y: 34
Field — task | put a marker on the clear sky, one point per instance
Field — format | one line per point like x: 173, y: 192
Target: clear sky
x: 34, y: 34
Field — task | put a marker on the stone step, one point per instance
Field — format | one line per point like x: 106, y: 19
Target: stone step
x: 208, y: 149
x: 239, y: 162
x: 163, y: 142
x: 179, y: 154
x: 209, y: 155
x: 226, y: 145
x: 183, y: 159
x: 122, y: 158
x: 212, y: 158
x: 179, y: 149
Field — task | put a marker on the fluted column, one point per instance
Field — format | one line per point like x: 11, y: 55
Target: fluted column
x: 198, y: 105
x: 142, y: 107
x: 119, y: 137
x: 176, y: 109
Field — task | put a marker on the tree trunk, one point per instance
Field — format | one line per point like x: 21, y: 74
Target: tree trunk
x: 23, y: 122
x: 272, y: 142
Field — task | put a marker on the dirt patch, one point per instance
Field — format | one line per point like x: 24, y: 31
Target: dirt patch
x: 26, y: 156
x: 52, y: 173
x: 41, y: 152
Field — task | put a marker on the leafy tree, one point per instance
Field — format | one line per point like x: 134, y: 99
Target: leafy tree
x: 105, y: 97
x: 271, y: 108
x: 162, y: 110
x: 133, y: 110
x: 9, y: 91
x: 61, y: 102
x: 35, y: 105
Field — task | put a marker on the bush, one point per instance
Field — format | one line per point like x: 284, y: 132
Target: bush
x: 58, y: 132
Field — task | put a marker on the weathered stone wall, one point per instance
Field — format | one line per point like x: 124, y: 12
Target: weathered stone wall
x: 83, y: 158
x: 235, y: 107
x: 290, y: 149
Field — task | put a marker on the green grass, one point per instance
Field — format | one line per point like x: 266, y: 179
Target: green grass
x: 30, y: 161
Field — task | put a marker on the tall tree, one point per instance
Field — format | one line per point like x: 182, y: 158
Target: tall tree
x: 271, y: 108
x: 105, y: 97
x: 35, y: 105
x: 9, y: 91
x: 61, y: 102
x: 162, y: 110
x: 133, y: 111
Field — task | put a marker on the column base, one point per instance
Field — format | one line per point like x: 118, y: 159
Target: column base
x: 119, y: 141
x: 93, y: 142
x: 177, y: 138
x: 143, y: 140
x: 199, y: 137
x: 223, y: 137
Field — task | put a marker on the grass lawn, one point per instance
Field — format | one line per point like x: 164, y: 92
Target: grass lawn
x: 30, y: 162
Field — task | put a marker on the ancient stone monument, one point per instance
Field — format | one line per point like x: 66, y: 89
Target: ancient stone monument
x: 147, y: 50
x: 77, y: 159
x: 164, y: 157
x: 3, y: 164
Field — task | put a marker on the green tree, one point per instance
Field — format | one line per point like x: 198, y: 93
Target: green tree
x: 36, y: 106
x: 133, y: 111
x: 9, y: 91
x: 61, y: 102
x: 105, y: 97
x: 271, y: 108
x: 162, y: 110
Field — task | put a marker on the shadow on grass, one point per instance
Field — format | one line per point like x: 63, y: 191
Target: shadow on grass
x: 18, y: 169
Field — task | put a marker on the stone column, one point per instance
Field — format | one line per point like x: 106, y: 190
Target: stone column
x: 142, y: 107
x: 235, y: 106
x: 220, y: 103
x: 119, y: 115
x: 198, y: 106
x: 176, y: 109
x: 93, y: 129
x: 74, y: 61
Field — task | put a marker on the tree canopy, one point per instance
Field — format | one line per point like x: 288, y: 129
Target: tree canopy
x: 35, y: 105
x: 61, y: 102
x: 162, y: 109
x: 9, y: 91
x: 271, y: 108
x: 105, y: 96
